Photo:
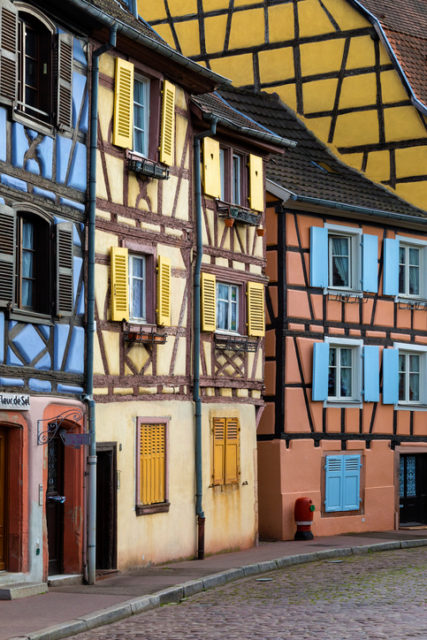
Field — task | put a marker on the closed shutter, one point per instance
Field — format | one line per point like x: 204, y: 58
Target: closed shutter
x: 123, y: 105
x: 391, y: 267
x: 208, y: 302
x: 319, y: 390
x: 119, y: 284
x: 164, y: 291
x: 319, y: 263
x: 7, y: 254
x: 152, y: 463
x: 8, y: 50
x: 232, y: 451
x: 64, y: 268
x: 351, y: 483
x: 218, y: 439
x: 211, y: 168
x: 390, y: 376
x: 256, y: 318
x: 64, y: 80
x: 333, y: 483
x: 167, y: 133
x: 256, y: 183
x: 371, y: 373
x: 370, y: 263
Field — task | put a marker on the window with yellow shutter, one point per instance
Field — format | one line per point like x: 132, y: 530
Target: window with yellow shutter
x: 225, y: 451
x: 151, y: 463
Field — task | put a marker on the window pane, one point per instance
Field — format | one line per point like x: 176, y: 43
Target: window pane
x: 137, y: 299
x: 414, y: 387
x: 340, y: 252
x: 236, y: 179
x: 332, y: 356
x: 411, y: 490
x: 27, y: 264
x: 233, y: 321
x: 222, y: 169
x: 414, y: 363
x: 222, y: 313
x: 414, y: 280
x: 332, y: 382
x: 137, y: 267
x: 402, y: 390
x: 223, y: 291
x: 140, y: 116
x: 414, y: 256
x: 346, y: 383
x: 27, y: 235
x: 27, y: 293
x: 345, y: 357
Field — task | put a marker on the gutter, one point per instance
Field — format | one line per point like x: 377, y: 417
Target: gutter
x: 91, y: 328
x: 137, y: 36
x: 196, y: 341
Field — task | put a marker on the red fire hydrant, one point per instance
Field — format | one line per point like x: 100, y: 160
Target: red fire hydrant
x: 304, y: 508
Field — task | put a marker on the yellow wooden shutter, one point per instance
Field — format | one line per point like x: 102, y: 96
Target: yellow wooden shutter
x: 218, y: 441
x: 164, y: 273
x: 208, y: 302
x: 152, y: 463
x: 232, y: 451
x: 211, y: 168
x: 119, y: 284
x: 256, y: 183
x: 167, y: 134
x: 256, y: 322
x: 123, y: 105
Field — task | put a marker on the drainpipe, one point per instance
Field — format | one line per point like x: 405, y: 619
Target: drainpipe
x: 91, y: 328
x: 196, y: 341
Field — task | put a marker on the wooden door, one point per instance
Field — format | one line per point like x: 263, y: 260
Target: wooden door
x: 106, y: 507
x: 2, y: 500
x: 413, y: 489
x: 55, y: 505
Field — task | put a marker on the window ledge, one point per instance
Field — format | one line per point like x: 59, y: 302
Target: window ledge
x: 30, y: 316
x: 411, y: 407
x: 147, y: 509
x: 344, y: 295
x: 34, y: 123
x: 238, y: 213
x: 145, y: 167
x: 229, y: 342
x: 339, y: 404
x: 410, y: 303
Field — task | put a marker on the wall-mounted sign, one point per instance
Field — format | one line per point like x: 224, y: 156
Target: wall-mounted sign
x: 15, y: 401
x: 75, y: 440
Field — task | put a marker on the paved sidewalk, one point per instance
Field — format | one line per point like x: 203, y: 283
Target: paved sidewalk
x: 67, y: 610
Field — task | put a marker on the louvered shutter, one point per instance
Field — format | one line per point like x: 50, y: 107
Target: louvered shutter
x: 211, y: 168
x: 390, y: 376
x: 152, y: 463
x: 7, y: 254
x: 218, y: 438
x: 167, y: 133
x: 333, y: 483
x: 319, y: 389
x: 119, y: 284
x: 232, y: 451
x: 64, y: 80
x: 64, y: 268
x: 391, y: 267
x: 164, y: 291
x: 123, y: 105
x: 256, y: 183
x: 319, y: 264
x: 256, y: 317
x: 370, y: 263
x: 208, y: 302
x: 371, y: 373
x: 8, y: 50
x: 351, y: 483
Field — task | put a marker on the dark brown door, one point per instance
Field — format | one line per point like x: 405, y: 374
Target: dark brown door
x: 413, y: 489
x: 55, y: 505
x: 106, y: 507
x: 2, y: 500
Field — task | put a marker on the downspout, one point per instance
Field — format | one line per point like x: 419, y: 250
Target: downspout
x: 196, y: 341
x: 91, y: 328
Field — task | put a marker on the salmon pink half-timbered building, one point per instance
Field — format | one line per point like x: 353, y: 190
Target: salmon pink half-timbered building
x: 176, y: 399
x: 346, y: 342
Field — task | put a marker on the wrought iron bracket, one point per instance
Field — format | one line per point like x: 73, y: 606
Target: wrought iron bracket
x: 54, y: 424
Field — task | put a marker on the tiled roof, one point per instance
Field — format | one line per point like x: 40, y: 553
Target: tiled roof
x: 310, y: 169
x: 405, y: 25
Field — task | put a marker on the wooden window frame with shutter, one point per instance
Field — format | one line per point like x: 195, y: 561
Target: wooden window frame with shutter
x: 149, y: 507
x: 225, y: 461
x: 362, y: 484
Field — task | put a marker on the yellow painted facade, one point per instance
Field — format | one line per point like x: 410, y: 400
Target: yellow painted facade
x: 325, y: 61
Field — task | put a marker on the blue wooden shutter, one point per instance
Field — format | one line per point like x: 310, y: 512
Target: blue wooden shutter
x: 319, y: 265
x: 333, y: 483
x: 351, y: 483
x: 371, y: 373
x: 390, y: 376
x: 391, y: 267
x: 319, y: 389
x: 370, y: 263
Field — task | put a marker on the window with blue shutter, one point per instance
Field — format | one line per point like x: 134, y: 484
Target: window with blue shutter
x: 404, y: 375
x: 342, y: 483
x: 371, y: 373
x: 390, y: 376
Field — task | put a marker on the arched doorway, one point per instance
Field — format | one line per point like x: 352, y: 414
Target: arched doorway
x: 55, y: 500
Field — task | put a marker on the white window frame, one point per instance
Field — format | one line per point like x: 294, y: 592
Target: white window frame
x: 357, y: 372
x: 411, y: 349
x: 146, y: 124
x: 236, y: 178
x: 355, y: 268
x: 141, y: 257
x: 230, y: 285
x: 415, y: 243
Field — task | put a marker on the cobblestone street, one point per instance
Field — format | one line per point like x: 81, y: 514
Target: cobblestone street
x: 372, y: 596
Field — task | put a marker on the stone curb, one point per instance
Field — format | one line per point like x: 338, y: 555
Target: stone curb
x: 187, y: 589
